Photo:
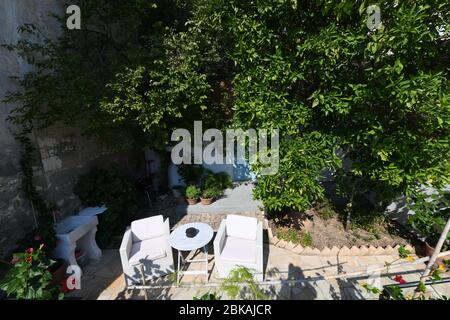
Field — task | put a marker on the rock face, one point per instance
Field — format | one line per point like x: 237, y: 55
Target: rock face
x: 62, y: 153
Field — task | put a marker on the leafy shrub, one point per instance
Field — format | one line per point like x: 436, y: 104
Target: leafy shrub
x: 29, y: 277
x: 191, y: 173
x: 211, y: 193
x: 220, y: 180
x: 306, y: 239
x: 431, y: 214
x: 192, y: 192
x: 109, y: 188
x: 290, y: 235
x: 240, y: 284
x: 302, y: 237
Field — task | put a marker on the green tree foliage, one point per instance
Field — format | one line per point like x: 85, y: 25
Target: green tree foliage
x: 313, y: 69
x: 131, y: 74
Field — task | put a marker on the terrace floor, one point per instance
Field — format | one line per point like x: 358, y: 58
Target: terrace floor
x: 288, y: 276
x: 236, y: 200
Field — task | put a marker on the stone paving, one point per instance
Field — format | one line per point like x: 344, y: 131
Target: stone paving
x: 288, y: 276
x: 235, y: 200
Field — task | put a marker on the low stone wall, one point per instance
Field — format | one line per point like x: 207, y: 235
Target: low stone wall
x: 334, y: 251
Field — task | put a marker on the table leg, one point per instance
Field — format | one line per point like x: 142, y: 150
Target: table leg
x: 178, y: 267
x: 206, y: 262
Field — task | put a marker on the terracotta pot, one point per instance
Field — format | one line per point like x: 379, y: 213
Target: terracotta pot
x: 58, y: 271
x: 429, y: 250
x: 192, y: 201
x: 206, y: 202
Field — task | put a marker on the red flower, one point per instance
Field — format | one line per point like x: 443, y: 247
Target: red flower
x: 399, y: 279
x: 29, y: 250
x: 29, y: 259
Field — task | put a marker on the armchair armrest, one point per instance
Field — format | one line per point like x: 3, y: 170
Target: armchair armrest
x: 259, y: 251
x: 219, y: 241
x: 166, y: 227
x: 125, y: 247
x: 259, y: 234
x: 167, y: 235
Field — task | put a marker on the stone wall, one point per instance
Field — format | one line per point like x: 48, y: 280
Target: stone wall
x: 62, y: 153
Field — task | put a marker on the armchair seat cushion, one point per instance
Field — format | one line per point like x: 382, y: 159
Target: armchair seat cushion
x: 150, y: 249
x: 239, y: 250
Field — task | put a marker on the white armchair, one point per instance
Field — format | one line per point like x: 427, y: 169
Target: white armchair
x: 239, y: 243
x: 146, y: 244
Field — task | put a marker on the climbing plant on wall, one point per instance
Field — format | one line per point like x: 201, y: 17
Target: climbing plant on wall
x: 131, y: 74
x: 43, y: 232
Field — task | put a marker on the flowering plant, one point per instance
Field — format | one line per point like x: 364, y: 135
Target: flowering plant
x: 29, y: 277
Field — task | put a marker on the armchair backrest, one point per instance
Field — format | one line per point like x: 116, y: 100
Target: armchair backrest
x: 147, y: 228
x: 241, y: 227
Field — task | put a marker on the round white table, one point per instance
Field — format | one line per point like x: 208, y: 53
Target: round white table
x: 181, y: 242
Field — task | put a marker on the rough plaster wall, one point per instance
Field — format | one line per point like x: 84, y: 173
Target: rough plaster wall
x: 65, y: 154
x: 15, y: 213
x: 62, y: 153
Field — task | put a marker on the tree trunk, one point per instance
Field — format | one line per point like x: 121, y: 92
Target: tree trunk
x: 349, y: 208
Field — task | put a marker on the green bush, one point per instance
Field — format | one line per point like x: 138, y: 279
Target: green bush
x: 211, y: 193
x: 29, y: 277
x: 220, y: 180
x: 431, y: 215
x: 109, y: 188
x: 233, y: 285
x: 295, y: 236
x: 306, y: 239
x: 192, y: 192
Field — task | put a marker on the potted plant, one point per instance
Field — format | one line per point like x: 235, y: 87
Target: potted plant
x: 29, y: 277
x: 431, y: 212
x: 208, y: 195
x: 192, y: 194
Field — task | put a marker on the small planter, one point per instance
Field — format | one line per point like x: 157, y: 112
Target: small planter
x: 192, y: 201
x: 192, y: 194
x: 206, y: 201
